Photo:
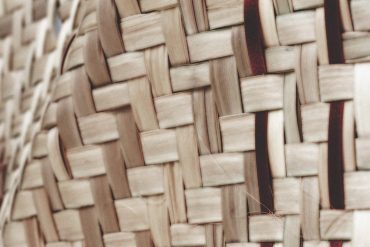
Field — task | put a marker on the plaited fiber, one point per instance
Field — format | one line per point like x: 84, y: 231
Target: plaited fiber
x: 176, y: 123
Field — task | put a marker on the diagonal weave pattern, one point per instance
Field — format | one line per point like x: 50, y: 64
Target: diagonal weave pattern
x: 185, y: 123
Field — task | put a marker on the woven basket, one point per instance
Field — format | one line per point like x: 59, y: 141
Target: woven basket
x: 141, y: 123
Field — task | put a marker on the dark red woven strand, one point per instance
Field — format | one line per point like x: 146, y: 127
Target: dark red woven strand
x: 336, y: 243
x: 335, y: 155
x: 333, y: 31
x: 254, y: 37
x: 267, y: 244
x: 263, y: 163
x: 335, y: 140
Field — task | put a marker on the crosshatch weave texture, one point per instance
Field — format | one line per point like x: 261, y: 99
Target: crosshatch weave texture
x: 225, y: 123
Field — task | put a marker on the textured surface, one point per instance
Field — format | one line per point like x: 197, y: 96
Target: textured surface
x: 165, y: 123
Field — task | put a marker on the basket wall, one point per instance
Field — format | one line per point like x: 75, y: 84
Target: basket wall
x: 185, y: 123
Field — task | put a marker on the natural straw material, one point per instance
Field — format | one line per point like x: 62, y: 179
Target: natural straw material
x: 165, y: 123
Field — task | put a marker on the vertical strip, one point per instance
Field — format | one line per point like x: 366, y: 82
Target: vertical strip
x: 263, y: 163
x: 254, y: 38
x: 333, y: 31
x: 66, y: 46
x: 2, y: 178
x: 335, y: 155
x: 267, y: 244
x: 336, y: 243
x: 256, y: 56
x: 335, y: 138
x: 109, y: 29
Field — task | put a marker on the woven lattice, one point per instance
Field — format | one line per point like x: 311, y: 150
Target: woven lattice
x: 163, y: 123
